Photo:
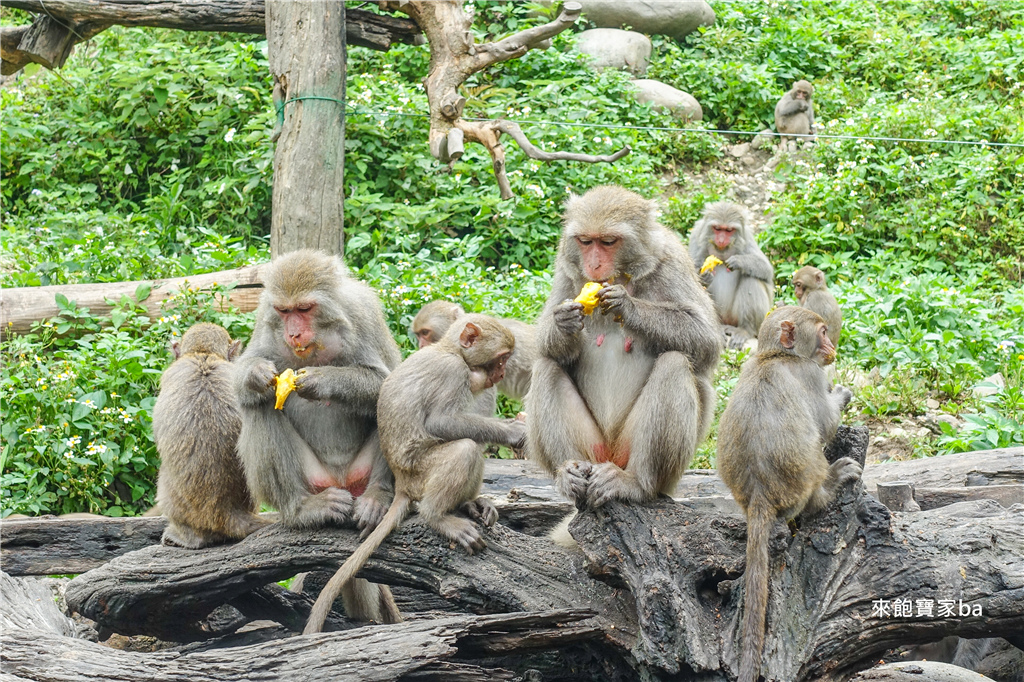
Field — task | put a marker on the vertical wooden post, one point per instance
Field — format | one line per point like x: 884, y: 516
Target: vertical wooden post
x: 306, y: 52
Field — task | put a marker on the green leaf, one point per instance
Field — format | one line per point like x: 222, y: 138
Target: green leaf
x: 160, y: 95
x: 142, y: 292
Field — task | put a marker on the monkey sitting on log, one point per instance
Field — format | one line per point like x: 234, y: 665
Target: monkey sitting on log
x: 794, y: 114
x: 434, y: 319
x: 201, y: 488
x: 812, y: 293
x: 317, y: 460
x: 742, y: 281
x: 770, y: 442
x: 433, y: 441
x: 623, y: 394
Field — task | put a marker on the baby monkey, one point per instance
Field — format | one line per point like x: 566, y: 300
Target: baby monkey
x: 770, y: 441
x: 433, y: 441
x: 201, y: 488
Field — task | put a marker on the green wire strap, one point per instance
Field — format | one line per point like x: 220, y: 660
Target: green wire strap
x: 280, y: 108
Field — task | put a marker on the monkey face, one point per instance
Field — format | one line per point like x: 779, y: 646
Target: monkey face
x: 597, y: 255
x: 722, y: 236
x: 425, y: 337
x: 299, y: 333
x: 798, y: 288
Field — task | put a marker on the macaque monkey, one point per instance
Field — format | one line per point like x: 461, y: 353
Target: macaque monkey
x: 620, y: 398
x: 201, y: 487
x: 794, y: 114
x: 433, y: 320
x: 743, y: 284
x: 770, y: 441
x: 813, y: 294
x: 433, y: 441
x: 318, y: 460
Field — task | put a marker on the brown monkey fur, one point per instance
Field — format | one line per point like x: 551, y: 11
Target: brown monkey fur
x: 770, y: 441
x: 813, y: 294
x: 743, y: 286
x: 201, y: 488
x: 625, y: 392
x: 318, y: 460
x: 794, y: 114
x: 433, y: 441
x: 433, y: 320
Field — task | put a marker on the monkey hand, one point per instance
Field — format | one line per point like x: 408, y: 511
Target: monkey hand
x: 516, y: 433
x: 846, y: 470
x: 311, y: 384
x: 482, y: 511
x: 569, y: 317
x: 605, y: 484
x: 572, y: 480
x: 615, y: 299
x: 330, y: 505
x: 260, y: 377
x: 843, y: 396
x: 369, y: 510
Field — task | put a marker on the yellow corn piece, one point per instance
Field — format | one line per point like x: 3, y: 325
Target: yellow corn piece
x: 285, y: 385
x: 710, y: 263
x: 588, y: 296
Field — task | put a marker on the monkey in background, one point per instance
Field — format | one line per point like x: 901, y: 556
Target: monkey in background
x: 770, y: 442
x: 813, y: 294
x: 624, y: 393
x: 318, y: 460
x: 743, y: 285
x: 201, y: 488
x: 433, y: 441
x: 794, y: 114
x: 434, y: 319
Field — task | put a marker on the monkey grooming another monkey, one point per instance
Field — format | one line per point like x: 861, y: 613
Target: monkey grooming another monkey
x: 201, y: 487
x: 434, y: 442
x: 770, y: 441
x: 794, y: 114
x: 743, y: 285
x: 318, y: 460
x: 625, y: 393
x: 433, y: 320
x: 813, y: 294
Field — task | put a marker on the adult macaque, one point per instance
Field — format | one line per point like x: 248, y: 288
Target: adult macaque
x: 742, y: 284
x: 770, y: 440
x: 794, y: 114
x: 813, y: 294
x: 434, y: 441
x: 624, y: 393
x: 434, y: 319
x: 201, y: 487
x: 318, y: 460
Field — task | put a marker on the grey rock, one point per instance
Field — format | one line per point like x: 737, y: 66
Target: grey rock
x: 659, y: 94
x: 616, y: 49
x: 675, y: 18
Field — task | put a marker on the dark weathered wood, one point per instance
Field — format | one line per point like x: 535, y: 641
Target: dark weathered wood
x: 898, y: 496
x: 932, y: 498
x: 306, y: 54
x: 22, y: 307
x: 376, y: 31
x: 37, y: 645
x: 981, y: 467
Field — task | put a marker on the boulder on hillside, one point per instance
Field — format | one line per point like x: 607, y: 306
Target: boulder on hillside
x: 659, y: 94
x: 675, y: 18
x: 616, y: 49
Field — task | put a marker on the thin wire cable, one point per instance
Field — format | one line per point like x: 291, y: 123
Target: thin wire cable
x: 617, y: 126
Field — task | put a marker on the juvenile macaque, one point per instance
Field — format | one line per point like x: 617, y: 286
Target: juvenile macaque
x: 743, y: 284
x: 770, y: 442
x: 794, y: 114
x: 621, y: 398
x: 433, y: 320
x: 813, y: 294
x: 318, y: 460
x: 434, y: 442
x: 201, y: 487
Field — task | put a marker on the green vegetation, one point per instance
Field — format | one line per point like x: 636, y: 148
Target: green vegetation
x: 161, y: 166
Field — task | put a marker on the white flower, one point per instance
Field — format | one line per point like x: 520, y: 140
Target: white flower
x: 229, y: 135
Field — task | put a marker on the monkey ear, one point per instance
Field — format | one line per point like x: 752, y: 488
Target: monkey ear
x: 788, y: 335
x: 176, y: 349
x: 819, y: 277
x: 469, y: 335
x: 235, y: 349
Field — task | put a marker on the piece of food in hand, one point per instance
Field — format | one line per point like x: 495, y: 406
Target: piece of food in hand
x: 285, y: 385
x: 588, y: 296
x: 710, y: 263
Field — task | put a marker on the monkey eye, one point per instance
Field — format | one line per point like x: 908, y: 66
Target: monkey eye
x: 610, y: 241
x: 584, y: 241
x: 304, y: 308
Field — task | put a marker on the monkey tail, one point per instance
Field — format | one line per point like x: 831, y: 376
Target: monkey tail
x: 394, y: 516
x: 760, y: 517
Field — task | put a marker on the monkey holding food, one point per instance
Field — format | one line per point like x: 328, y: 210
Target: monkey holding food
x: 770, y: 447
x: 201, y: 488
x: 433, y: 441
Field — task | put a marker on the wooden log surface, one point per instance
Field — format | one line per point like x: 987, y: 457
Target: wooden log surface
x: 21, y: 307
x: 526, y: 499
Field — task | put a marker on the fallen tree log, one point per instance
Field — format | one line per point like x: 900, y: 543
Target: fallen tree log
x: 22, y: 307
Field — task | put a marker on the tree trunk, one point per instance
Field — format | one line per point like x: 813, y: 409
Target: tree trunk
x: 306, y: 52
